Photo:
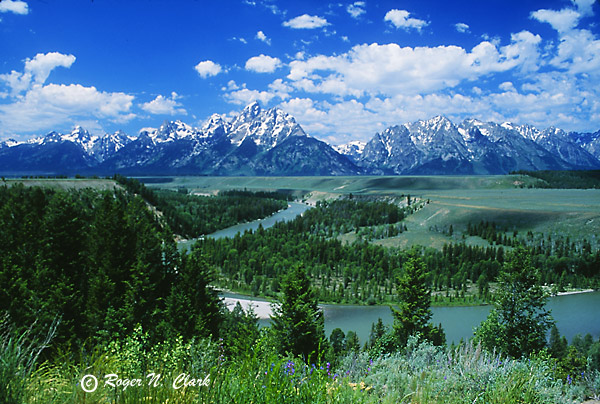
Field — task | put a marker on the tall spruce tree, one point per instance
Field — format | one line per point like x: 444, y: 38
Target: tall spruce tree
x: 413, y: 313
x: 297, y: 323
x: 518, y: 324
x: 194, y: 308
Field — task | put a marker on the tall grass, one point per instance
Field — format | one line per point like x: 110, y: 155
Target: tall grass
x: 19, y: 353
x: 421, y: 374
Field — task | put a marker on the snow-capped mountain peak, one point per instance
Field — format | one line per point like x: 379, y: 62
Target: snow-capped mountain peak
x: 249, y: 113
x: 352, y: 150
x: 355, y: 146
x: 265, y: 128
x: 270, y: 142
x: 170, y: 131
x: 527, y: 131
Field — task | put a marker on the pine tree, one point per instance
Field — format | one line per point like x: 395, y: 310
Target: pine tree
x: 193, y: 307
x: 297, y: 323
x: 240, y: 331
x: 351, y: 342
x: 558, y: 346
x: 517, y: 326
x: 378, y: 330
x: 413, y: 313
x: 337, y: 341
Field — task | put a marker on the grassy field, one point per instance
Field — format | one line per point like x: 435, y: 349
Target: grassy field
x: 67, y: 183
x: 388, y: 185
x: 453, y: 200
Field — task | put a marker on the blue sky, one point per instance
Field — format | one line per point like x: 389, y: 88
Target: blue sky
x: 345, y: 70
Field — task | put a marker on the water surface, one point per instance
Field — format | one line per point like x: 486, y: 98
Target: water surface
x: 574, y: 314
x: 294, y: 209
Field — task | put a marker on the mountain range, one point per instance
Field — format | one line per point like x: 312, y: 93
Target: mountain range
x: 270, y: 142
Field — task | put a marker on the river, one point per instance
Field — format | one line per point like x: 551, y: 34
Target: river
x: 574, y: 314
x: 294, y: 209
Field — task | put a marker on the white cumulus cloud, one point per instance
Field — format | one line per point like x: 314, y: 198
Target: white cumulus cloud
x: 462, y: 27
x: 356, y: 9
x: 263, y: 64
x: 391, y: 69
x: 585, y: 7
x: 46, y: 107
x: 14, y: 6
x: 262, y: 37
x: 162, y: 105
x: 208, y: 68
x: 245, y: 96
x: 402, y: 19
x: 306, y: 21
x: 33, y: 105
x: 562, y: 21
x: 36, y: 70
x: 578, y: 50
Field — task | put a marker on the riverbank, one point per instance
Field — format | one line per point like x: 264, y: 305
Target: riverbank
x: 262, y: 308
x: 573, y: 292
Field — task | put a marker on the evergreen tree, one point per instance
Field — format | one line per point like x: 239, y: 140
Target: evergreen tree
x: 413, y: 313
x: 352, y: 344
x: 193, y: 307
x: 557, y: 345
x: 378, y: 330
x: 518, y: 324
x: 297, y: 323
x: 240, y: 331
x: 337, y: 341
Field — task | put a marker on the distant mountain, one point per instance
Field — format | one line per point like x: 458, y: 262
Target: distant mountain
x: 588, y: 141
x: 271, y: 142
x: 256, y: 142
x: 437, y: 146
x: 353, y: 149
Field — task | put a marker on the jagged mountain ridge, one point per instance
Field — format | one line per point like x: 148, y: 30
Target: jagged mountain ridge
x: 437, y: 146
x: 271, y: 142
x: 256, y: 142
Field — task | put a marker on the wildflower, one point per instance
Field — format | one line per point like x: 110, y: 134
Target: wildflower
x: 569, y: 380
x: 362, y: 386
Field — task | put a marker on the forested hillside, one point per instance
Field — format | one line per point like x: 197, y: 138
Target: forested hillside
x: 100, y: 262
x: 193, y: 215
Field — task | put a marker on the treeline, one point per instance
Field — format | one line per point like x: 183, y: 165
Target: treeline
x: 583, y: 179
x: 492, y: 233
x: 331, y: 218
x: 191, y: 215
x: 100, y: 263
